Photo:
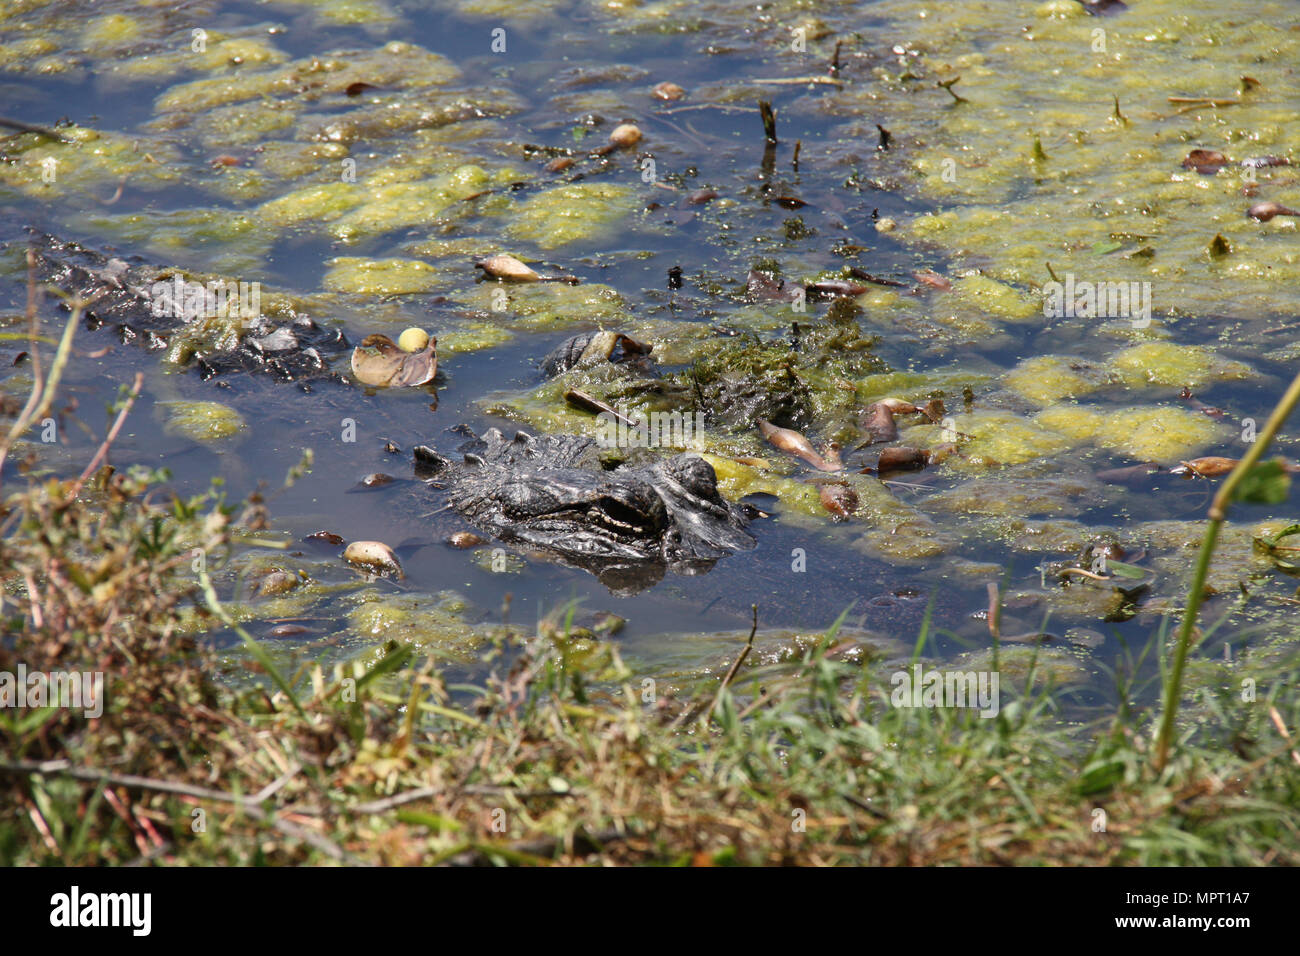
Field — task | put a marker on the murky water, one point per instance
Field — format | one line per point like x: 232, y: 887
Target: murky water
x: 1042, y: 405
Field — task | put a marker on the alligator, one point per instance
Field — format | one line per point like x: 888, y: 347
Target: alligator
x: 157, y: 308
x: 626, y: 524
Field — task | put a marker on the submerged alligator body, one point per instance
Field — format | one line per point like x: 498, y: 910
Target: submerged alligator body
x: 151, y: 307
x: 626, y: 525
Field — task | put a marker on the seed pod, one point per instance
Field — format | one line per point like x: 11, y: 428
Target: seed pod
x: 508, y: 268
x: 880, y: 423
x: 789, y: 440
x: 288, y: 630
x: 413, y: 340
x: 668, y: 91
x: 1264, y: 211
x: 277, y: 582
x: 839, y: 500
x: 465, y: 539
x: 624, y: 136
x: 559, y: 164
x: 1205, y: 161
x: 375, y: 555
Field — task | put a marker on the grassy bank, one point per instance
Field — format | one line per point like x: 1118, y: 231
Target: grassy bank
x: 563, y: 755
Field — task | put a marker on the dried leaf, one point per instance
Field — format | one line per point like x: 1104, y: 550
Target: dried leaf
x: 789, y: 440
x: 378, y: 361
x: 1205, y: 161
x: 508, y: 268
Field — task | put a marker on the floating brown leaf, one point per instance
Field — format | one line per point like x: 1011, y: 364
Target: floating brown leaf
x: 667, y: 91
x: 1264, y: 211
x: 762, y: 287
x: 378, y: 361
x: 879, y: 423
x: 1205, y: 161
x: 932, y: 279
x: 839, y: 500
x: 902, y: 459
x: 1209, y: 467
x: 789, y: 440
x: 508, y: 268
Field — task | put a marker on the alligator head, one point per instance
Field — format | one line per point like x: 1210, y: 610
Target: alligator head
x: 625, y: 525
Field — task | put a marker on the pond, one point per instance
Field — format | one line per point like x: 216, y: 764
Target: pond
x: 959, y: 178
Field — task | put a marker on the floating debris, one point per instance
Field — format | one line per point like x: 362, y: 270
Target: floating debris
x: 840, y: 500
x: 902, y: 459
x: 1219, y: 247
x: 380, y: 362
x: 1207, y: 162
x: 667, y: 91
x: 589, y: 403
x: 789, y: 440
x: 1211, y: 466
x: 1264, y: 211
x: 509, y: 269
x: 375, y: 555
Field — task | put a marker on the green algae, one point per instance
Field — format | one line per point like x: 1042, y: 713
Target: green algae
x: 1046, y: 379
x: 434, y: 623
x: 546, y: 306
x: 1005, y: 438
x: 579, y: 212
x: 379, y: 276
x: 203, y: 422
x: 1146, y: 433
x: 1174, y: 365
x: 315, y: 77
x: 1101, y: 177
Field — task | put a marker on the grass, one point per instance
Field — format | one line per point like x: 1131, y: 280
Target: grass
x: 562, y: 755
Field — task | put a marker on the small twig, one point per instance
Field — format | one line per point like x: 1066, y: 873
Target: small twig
x: 397, y: 800
x: 1086, y: 574
x: 948, y: 85
x: 33, y: 128
x: 100, y: 455
x: 1205, y: 100
x: 769, y: 121
x: 800, y: 80
x: 735, y: 666
x: 995, y: 611
x: 1274, y: 716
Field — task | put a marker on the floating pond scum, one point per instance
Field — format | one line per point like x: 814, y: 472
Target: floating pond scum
x: 415, y: 377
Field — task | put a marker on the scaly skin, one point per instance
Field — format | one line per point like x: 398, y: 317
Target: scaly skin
x: 626, y: 526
